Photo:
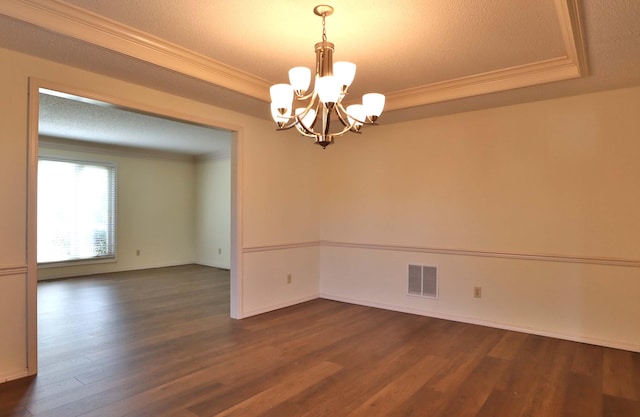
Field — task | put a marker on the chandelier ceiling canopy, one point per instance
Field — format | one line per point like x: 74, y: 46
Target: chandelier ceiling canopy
x: 319, y: 106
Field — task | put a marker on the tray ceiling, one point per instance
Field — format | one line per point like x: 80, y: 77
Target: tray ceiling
x: 429, y: 58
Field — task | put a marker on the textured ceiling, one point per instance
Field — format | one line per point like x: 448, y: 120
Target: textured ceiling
x: 266, y: 38
x: 71, y: 118
x: 429, y: 57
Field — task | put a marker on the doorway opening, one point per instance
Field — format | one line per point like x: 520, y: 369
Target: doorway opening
x: 166, y: 168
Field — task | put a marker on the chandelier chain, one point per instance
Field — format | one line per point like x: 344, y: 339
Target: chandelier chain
x: 324, y: 29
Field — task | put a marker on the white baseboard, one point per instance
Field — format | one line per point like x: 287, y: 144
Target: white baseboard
x: 68, y: 274
x: 488, y: 323
x: 214, y: 265
x: 274, y: 307
x: 13, y: 376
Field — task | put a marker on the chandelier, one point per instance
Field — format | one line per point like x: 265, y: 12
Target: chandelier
x: 318, y: 107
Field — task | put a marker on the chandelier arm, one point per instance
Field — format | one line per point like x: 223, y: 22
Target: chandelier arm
x: 286, y: 127
x: 312, y: 103
x: 306, y: 96
x: 291, y: 122
x: 315, y: 120
x: 366, y: 121
x: 302, y: 128
x: 313, y: 133
x: 304, y: 131
x: 309, y: 130
x: 294, y: 119
x: 346, y: 129
x: 341, y: 112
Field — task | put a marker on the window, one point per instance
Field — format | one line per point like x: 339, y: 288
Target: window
x: 76, y: 210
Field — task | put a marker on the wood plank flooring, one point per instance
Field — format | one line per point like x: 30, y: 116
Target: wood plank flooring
x: 160, y: 343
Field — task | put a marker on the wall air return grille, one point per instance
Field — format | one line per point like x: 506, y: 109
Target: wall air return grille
x: 423, y: 281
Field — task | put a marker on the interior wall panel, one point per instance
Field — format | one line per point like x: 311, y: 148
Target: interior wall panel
x: 213, y: 212
x: 552, y: 177
x: 13, y: 327
x: 584, y: 302
x: 537, y: 203
x: 279, y: 277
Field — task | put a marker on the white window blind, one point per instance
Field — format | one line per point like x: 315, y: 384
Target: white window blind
x: 76, y: 210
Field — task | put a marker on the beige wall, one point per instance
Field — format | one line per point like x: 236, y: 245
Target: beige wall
x: 13, y: 305
x: 519, y: 200
x: 13, y: 220
x: 281, y: 232
x: 175, y: 210
x: 554, y: 177
x: 213, y: 212
x: 156, y: 211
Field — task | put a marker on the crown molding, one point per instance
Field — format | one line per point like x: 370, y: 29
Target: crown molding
x: 572, y: 33
x: 69, y: 20
x: 572, y: 65
x: 489, y: 82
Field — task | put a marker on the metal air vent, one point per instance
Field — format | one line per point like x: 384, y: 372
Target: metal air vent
x: 423, y: 281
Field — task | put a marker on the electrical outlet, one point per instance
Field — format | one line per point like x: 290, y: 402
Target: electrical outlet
x: 137, y: 252
x: 477, y: 292
x: 219, y: 251
x: 288, y: 278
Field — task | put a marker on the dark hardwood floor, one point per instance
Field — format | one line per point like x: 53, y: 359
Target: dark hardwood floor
x: 160, y: 343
